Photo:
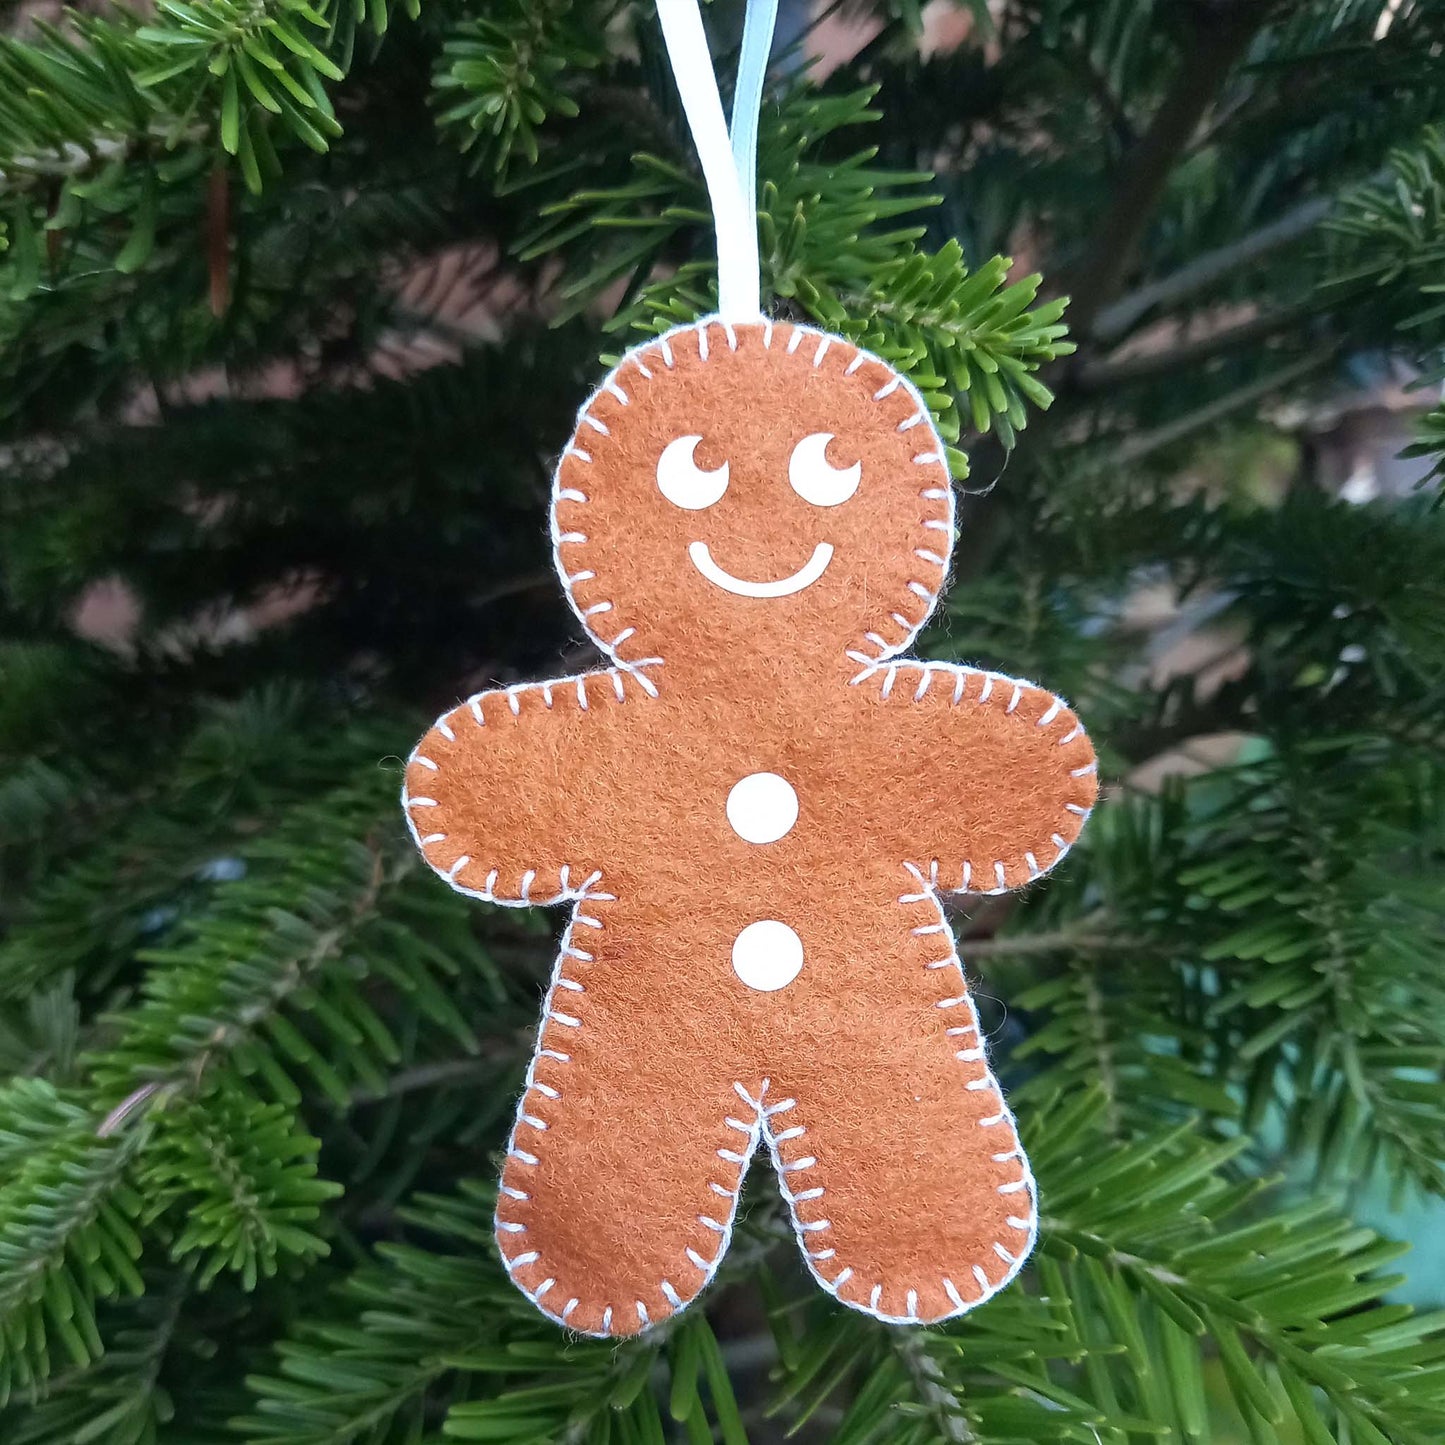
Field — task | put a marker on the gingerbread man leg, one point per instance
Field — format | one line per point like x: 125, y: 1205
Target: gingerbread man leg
x: 622, y: 1173
x: 909, y: 1190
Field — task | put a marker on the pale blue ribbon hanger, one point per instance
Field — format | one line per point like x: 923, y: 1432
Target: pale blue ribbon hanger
x: 729, y: 158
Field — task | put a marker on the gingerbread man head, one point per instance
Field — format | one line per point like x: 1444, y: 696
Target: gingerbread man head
x: 753, y: 812
x: 763, y: 490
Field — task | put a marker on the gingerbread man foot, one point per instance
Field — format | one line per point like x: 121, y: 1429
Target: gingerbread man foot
x: 909, y: 1190
x: 754, y: 809
x: 623, y: 1169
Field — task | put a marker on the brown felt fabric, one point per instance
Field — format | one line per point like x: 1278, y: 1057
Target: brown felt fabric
x: 658, y: 1069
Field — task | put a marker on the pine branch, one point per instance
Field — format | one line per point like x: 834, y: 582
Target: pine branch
x: 1431, y: 444
x: 503, y: 77
x: 1218, y: 36
x: 232, y: 1173
x: 217, y: 951
x: 238, y: 1178
x: 1162, y: 1236
x: 1275, y: 382
x: 170, y: 830
x: 1148, y: 1257
x: 121, y: 1400
x: 826, y: 246
x: 1063, y: 940
x: 410, y: 1323
x: 66, y: 1240
x: 1110, y: 373
x: 108, y: 85
x: 258, y: 956
x: 1335, y: 1032
x: 1120, y: 317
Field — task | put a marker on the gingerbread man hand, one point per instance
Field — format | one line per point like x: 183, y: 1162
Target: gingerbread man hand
x: 754, y: 810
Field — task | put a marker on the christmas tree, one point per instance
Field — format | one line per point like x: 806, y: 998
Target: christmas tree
x: 296, y: 304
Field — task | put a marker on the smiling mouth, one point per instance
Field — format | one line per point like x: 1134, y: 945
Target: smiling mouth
x: 805, y: 576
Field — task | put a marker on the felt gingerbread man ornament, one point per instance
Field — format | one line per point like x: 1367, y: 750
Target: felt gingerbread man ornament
x: 753, y: 811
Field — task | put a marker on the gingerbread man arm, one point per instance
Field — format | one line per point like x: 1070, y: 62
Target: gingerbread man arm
x: 991, y: 777
x: 502, y: 793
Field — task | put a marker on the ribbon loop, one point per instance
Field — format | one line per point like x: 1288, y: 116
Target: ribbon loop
x: 729, y: 160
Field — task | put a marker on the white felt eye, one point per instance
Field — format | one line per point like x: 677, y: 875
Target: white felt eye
x: 814, y: 480
x: 683, y: 482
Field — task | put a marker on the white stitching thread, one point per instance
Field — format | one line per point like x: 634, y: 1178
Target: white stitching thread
x: 895, y: 380
x: 888, y: 666
x: 803, y: 1228
x: 926, y: 896
x: 526, y: 1118
x: 622, y: 668
x: 513, y: 697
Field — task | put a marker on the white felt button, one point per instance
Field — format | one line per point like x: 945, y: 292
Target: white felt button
x: 767, y: 955
x: 762, y: 807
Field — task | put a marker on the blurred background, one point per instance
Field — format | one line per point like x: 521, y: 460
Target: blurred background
x: 297, y: 301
